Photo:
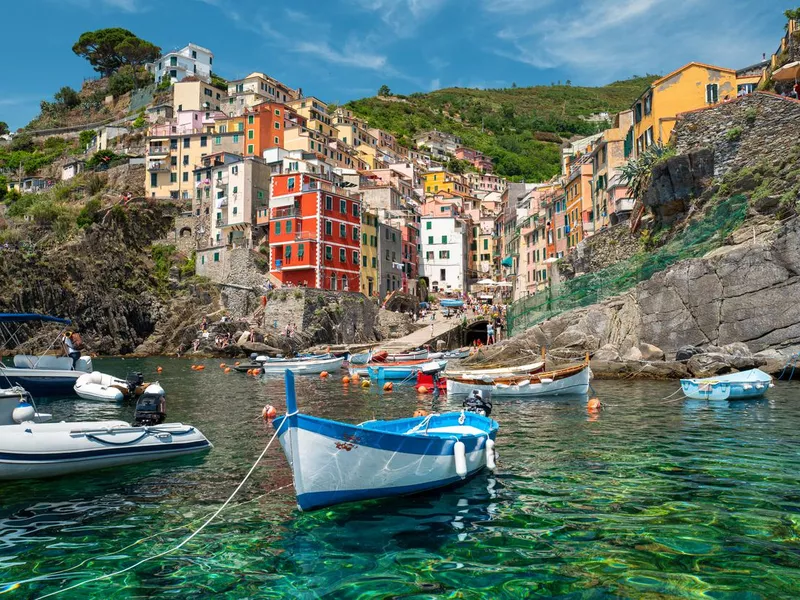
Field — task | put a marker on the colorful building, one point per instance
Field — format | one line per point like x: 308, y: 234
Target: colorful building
x: 476, y: 158
x: 265, y: 126
x: 439, y: 180
x: 174, y: 152
x: 369, y: 254
x: 443, y: 256
x: 579, y: 220
x: 255, y: 89
x: 315, y: 237
x: 608, y: 157
x: 694, y: 85
x: 193, y: 94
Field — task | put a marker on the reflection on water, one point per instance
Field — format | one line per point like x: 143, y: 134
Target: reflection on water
x: 646, y: 498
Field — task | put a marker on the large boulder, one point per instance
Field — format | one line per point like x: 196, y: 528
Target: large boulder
x: 684, y: 353
x: 650, y: 353
x: 607, y: 353
x: 710, y: 364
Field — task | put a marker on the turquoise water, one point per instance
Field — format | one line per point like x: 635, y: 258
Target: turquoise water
x: 648, y: 499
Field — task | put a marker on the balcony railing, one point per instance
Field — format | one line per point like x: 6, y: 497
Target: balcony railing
x: 158, y: 150
x: 305, y: 235
x: 156, y: 167
x: 285, y: 213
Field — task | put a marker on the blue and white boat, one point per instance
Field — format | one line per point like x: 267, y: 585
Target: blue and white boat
x: 408, y: 373
x: 334, y: 462
x: 359, y: 358
x: 744, y: 385
x: 40, y: 375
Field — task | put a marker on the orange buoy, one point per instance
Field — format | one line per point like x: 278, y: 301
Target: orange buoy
x: 227, y: 370
x: 236, y: 364
x: 355, y: 378
x: 323, y: 375
x: 269, y: 412
x: 200, y: 367
x: 594, y: 405
x: 388, y: 386
x: 159, y: 369
x: 194, y: 367
x: 249, y: 371
x: 422, y: 389
x: 366, y: 383
x: 345, y: 379
x: 420, y: 413
x: 222, y: 365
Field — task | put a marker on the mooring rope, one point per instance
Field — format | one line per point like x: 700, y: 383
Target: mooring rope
x: 188, y: 538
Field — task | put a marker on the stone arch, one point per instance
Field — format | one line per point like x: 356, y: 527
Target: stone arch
x: 185, y: 232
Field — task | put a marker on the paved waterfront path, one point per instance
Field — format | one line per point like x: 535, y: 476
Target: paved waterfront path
x: 424, y: 335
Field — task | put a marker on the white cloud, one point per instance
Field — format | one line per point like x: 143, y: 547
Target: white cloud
x: 600, y: 40
x: 351, y: 54
x: 435, y: 84
x: 127, y: 6
x: 402, y: 16
x: 514, y: 6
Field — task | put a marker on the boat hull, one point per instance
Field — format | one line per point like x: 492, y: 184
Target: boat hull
x: 572, y: 385
x: 41, y: 382
x: 336, y: 462
x: 303, y: 367
x: 390, y: 373
x: 498, y: 372
x: 746, y: 385
x: 37, y: 450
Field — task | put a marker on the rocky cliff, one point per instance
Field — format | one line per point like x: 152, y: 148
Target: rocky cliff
x: 734, y: 308
x: 104, y: 278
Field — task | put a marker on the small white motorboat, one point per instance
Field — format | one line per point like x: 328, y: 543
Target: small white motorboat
x: 303, y: 366
x: 102, y: 387
x: 32, y: 448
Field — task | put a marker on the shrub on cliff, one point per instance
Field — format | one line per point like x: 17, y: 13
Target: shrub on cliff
x: 89, y: 214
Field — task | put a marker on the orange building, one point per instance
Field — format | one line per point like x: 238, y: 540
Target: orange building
x: 264, y: 126
x: 315, y: 233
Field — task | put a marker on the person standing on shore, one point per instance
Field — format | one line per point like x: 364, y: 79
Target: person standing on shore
x: 489, y: 334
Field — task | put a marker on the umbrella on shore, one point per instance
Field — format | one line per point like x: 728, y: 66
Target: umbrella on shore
x: 788, y: 72
x: 486, y: 282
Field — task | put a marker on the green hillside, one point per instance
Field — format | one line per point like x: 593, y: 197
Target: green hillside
x: 520, y: 128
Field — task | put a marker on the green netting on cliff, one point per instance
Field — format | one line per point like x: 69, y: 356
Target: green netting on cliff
x: 698, y: 238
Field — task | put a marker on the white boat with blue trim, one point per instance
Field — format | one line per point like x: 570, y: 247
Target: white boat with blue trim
x: 562, y: 382
x: 313, y: 366
x: 334, y: 462
x: 31, y: 448
x: 750, y: 384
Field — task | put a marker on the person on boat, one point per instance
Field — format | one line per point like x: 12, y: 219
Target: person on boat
x: 70, y: 349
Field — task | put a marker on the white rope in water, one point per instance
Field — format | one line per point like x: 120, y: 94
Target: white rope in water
x: 188, y: 538
x: 8, y: 586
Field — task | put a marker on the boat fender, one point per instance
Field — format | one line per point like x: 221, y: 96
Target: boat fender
x: 388, y: 386
x: 545, y: 380
x: 460, y: 459
x: 23, y: 412
x: 366, y: 383
x: 490, y: 463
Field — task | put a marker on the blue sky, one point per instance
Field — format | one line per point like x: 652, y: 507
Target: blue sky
x: 344, y: 49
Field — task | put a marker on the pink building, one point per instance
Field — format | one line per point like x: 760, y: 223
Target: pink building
x: 478, y: 159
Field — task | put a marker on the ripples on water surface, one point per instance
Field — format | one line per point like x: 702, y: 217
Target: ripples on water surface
x: 648, y: 499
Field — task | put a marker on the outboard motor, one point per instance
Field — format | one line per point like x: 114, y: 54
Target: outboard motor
x: 134, y: 380
x: 151, y: 407
x: 476, y: 403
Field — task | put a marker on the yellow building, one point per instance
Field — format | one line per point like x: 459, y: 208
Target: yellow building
x: 444, y: 181
x: 315, y: 112
x: 369, y: 254
x: 693, y: 86
x: 172, y: 158
x: 197, y: 95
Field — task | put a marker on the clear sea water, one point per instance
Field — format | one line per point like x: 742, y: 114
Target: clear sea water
x: 647, y: 499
